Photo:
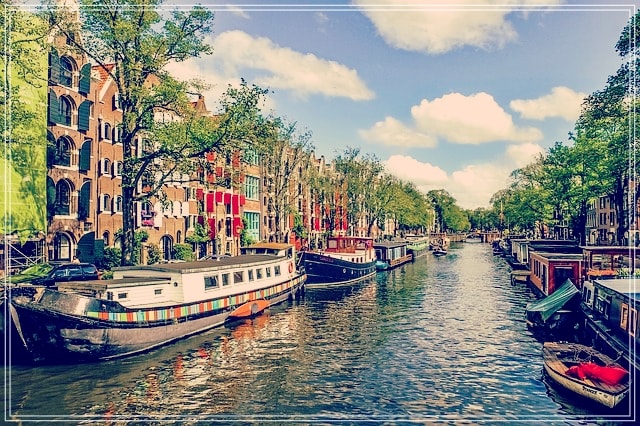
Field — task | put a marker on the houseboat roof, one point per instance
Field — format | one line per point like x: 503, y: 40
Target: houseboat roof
x: 624, y: 286
x: 557, y: 256
x: 274, y: 246
x: 390, y: 244
x: 608, y: 249
x: 102, y: 285
x: 202, y: 265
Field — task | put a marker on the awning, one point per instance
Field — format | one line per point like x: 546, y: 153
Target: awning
x: 554, y: 302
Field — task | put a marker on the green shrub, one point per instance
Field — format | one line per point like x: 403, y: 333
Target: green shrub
x: 154, y: 254
x: 183, y: 252
x: 111, y: 257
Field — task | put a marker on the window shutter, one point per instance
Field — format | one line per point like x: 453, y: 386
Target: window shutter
x: 85, y: 156
x: 54, y: 67
x: 85, y: 79
x: 116, y: 134
x: 83, y: 115
x: 54, y: 108
x: 85, y: 198
x: 101, y: 130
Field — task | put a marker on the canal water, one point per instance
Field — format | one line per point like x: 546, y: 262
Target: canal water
x: 438, y: 340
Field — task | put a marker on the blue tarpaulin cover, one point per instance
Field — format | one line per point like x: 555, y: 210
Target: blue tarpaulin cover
x: 554, y: 302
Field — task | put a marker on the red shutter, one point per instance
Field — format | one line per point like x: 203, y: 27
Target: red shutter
x: 199, y: 194
x: 237, y: 226
x: 218, y: 197
x: 243, y: 200
x: 212, y: 228
x: 235, y: 204
x: 209, y: 204
x: 227, y: 198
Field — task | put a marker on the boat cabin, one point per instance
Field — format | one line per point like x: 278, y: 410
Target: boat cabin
x: 550, y: 270
x: 609, y: 261
x: 614, y: 314
x: 394, y: 253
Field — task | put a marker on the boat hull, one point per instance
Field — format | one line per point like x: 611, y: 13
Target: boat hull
x: 324, y: 270
x: 609, y: 396
x: 67, y: 335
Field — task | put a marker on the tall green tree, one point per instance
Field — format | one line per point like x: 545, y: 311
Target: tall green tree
x: 134, y: 42
x: 23, y: 121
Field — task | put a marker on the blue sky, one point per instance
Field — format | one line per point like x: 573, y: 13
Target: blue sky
x: 449, y: 95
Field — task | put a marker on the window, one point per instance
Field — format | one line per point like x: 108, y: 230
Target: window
x: 225, y: 279
x: 259, y: 274
x: 105, y: 131
x: 117, y: 168
x: 624, y: 316
x: 105, y: 201
x: 250, y: 274
x: 63, y: 197
x: 105, y: 238
x: 268, y: 272
x: 276, y: 270
x: 116, y: 134
x: 66, y: 111
x: 117, y: 204
x: 251, y: 187
x: 63, y: 152
x: 253, y: 225
x: 633, y: 322
x: 157, y: 291
x: 238, y: 277
x: 122, y: 295
x: 211, y: 282
x: 105, y: 167
x: 66, y: 71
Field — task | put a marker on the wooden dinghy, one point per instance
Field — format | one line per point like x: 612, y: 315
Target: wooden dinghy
x: 586, y: 372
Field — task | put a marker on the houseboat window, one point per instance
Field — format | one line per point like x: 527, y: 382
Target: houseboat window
x: 237, y: 277
x: 225, y: 279
x: 586, y: 295
x: 276, y: 270
x: 250, y: 273
x: 602, y: 305
x: 211, y: 282
x: 122, y: 295
x: 268, y: 272
x: 259, y: 274
x: 109, y: 295
x: 157, y: 291
x: 624, y: 316
x: 633, y: 322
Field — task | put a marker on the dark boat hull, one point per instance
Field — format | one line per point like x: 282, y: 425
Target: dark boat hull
x: 67, y: 335
x: 321, y: 269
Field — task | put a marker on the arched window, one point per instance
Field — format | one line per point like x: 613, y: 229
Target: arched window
x: 107, y: 131
x: 67, y: 71
x: 179, y: 237
x: 63, y: 197
x: 105, y: 166
x: 61, y: 247
x: 66, y: 111
x: 117, y: 204
x: 167, y: 246
x: 105, y: 238
x: 105, y: 203
x: 117, y: 168
x: 63, y: 152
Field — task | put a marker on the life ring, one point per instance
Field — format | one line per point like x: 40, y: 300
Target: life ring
x: 290, y: 267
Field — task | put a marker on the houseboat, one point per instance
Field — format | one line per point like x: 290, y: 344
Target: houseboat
x: 391, y: 254
x: 609, y: 261
x: 557, y: 315
x: 344, y: 260
x: 550, y: 270
x: 144, y: 307
x: 417, y: 247
x: 611, y: 317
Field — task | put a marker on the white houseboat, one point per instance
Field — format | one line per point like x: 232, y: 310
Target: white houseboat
x: 144, y: 307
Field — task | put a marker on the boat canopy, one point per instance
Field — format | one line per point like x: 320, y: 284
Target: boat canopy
x: 551, y: 304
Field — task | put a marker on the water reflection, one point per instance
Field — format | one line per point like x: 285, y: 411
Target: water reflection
x: 442, y: 339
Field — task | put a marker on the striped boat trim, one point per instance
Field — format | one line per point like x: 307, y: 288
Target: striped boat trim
x: 198, y: 308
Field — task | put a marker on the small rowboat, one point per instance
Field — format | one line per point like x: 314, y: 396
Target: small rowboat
x: 249, y: 309
x: 586, y: 372
x: 439, y: 251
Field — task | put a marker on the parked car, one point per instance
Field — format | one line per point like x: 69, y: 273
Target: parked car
x: 68, y: 272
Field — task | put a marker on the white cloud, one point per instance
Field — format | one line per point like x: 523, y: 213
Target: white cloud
x: 471, y: 120
x: 561, y: 102
x: 283, y: 68
x: 411, y: 170
x: 438, y: 27
x: 393, y: 132
x: 523, y: 154
x: 473, y: 185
